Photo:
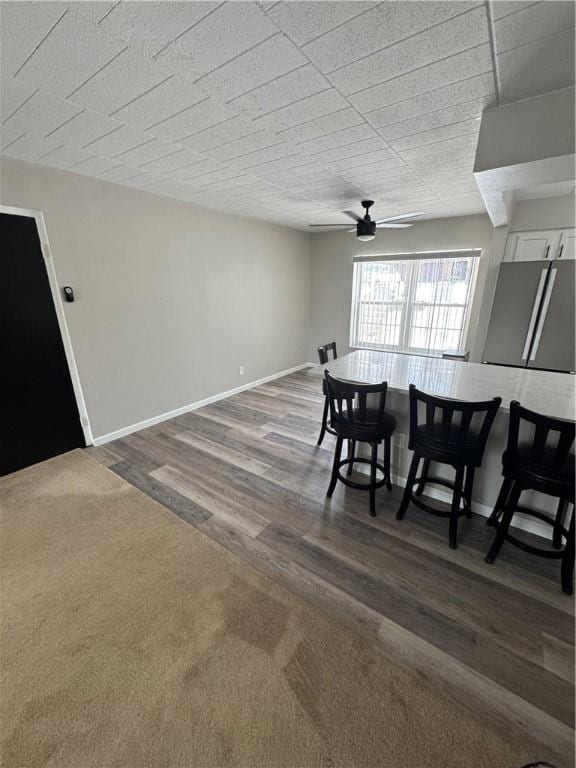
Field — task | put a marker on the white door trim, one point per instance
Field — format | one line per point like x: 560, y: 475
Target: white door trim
x: 59, y: 306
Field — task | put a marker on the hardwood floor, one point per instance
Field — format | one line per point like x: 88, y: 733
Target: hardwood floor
x: 246, y: 471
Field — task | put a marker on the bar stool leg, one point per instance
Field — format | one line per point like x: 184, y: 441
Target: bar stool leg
x: 373, y: 480
x: 558, y: 523
x: 387, y: 452
x: 568, y: 559
x: 504, y: 523
x: 335, y: 466
x: 425, y: 469
x: 500, y: 501
x: 455, y: 511
x: 324, y: 420
x: 351, y: 455
x: 408, y: 488
x: 468, y: 486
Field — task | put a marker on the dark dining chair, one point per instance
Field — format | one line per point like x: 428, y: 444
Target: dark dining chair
x: 326, y: 353
x: 358, y: 419
x: 450, y: 432
x: 539, y: 456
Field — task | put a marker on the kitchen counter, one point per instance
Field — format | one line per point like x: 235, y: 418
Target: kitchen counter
x: 542, y: 391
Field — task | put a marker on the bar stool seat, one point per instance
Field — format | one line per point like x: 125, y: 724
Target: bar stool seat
x: 542, y: 470
x: 545, y: 464
x: 452, y: 433
x: 354, y: 420
x: 378, y: 436
x: 385, y: 426
x: 447, y: 444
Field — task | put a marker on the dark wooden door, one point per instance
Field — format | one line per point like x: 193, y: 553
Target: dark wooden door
x: 38, y: 412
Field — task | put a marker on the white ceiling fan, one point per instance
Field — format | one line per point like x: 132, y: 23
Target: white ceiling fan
x: 366, y: 227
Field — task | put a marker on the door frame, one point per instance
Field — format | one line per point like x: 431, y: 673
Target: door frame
x: 38, y: 217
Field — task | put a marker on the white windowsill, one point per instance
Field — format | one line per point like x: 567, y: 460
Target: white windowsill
x: 398, y: 352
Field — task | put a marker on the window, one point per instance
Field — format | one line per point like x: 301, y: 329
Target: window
x: 417, y: 303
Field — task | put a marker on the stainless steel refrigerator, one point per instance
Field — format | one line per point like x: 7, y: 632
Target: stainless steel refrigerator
x: 532, y: 317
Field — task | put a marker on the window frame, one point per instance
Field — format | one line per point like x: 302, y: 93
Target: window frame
x: 408, y: 304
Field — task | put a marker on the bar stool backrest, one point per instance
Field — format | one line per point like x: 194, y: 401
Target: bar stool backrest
x: 350, y: 409
x: 545, y: 445
x: 325, y: 351
x: 450, y: 426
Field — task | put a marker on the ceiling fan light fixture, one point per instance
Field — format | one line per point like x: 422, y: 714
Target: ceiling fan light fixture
x: 365, y: 238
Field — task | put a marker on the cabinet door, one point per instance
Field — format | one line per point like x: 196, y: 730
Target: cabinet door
x: 533, y: 246
x: 567, y: 249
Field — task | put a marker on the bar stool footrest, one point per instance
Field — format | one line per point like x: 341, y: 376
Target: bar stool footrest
x: 554, y: 554
x: 361, y: 486
x: 433, y: 510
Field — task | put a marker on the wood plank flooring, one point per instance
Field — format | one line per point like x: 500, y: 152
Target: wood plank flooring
x: 247, y: 472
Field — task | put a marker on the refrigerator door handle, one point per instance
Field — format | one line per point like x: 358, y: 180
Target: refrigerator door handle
x: 534, y: 315
x: 545, y: 306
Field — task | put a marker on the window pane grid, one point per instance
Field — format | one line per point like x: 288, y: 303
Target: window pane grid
x: 417, y: 305
x: 381, y: 295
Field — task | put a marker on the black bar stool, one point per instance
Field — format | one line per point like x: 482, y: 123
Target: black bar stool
x: 325, y: 353
x: 539, y: 457
x: 356, y: 419
x: 450, y: 432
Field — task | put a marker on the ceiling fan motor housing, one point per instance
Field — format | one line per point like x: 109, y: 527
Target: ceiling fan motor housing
x: 364, y: 228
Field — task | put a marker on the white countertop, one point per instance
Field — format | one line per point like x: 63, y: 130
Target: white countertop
x: 542, y: 391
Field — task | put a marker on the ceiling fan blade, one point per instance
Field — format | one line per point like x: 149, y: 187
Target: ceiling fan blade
x: 353, y: 215
x: 393, y: 226
x: 328, y: 225
x: 403, y: 216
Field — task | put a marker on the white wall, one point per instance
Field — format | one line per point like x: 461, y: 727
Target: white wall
x: 332, y: 270
x: 170, y: 299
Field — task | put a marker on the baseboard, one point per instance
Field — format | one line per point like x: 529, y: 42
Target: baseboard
x: 520, y: 521
x: 101, y: 439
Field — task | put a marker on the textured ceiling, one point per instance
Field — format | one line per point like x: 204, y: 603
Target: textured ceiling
x: 285, y: 111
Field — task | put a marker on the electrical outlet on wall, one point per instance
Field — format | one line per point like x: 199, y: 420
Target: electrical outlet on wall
x: 241, y: 370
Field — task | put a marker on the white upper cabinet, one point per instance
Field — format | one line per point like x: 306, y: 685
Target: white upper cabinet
x: 567, y: 248
x: 540, y: 244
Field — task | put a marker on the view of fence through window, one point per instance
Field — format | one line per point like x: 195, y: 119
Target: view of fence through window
x: 412, y: 305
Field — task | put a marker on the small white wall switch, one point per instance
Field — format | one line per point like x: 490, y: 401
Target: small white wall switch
x: 241, y: 370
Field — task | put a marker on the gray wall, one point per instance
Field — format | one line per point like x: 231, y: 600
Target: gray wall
x: 332, y: 269
x: 543, y: 213
x: 170, y: 299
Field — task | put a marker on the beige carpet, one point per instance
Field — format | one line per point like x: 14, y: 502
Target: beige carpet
x: 130, y: 639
